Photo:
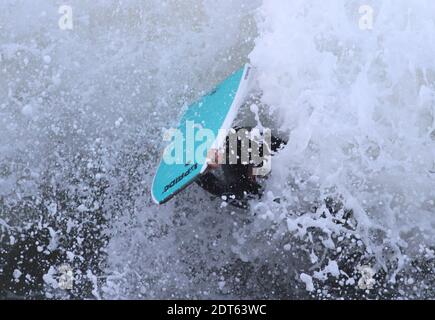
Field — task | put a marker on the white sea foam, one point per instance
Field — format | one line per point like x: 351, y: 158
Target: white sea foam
x: 359, y: 108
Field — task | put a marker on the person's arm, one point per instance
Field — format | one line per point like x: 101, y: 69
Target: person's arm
x: 211, y: 184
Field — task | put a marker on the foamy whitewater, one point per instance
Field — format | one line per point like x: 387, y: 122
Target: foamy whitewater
x: 349, y: 209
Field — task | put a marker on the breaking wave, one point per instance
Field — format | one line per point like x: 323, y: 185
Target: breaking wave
x: 82, y: 113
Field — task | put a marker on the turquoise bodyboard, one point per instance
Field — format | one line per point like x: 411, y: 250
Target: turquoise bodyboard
x: 215, y: 111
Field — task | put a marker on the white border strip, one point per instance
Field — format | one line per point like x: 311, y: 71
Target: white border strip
x: 232, y: 113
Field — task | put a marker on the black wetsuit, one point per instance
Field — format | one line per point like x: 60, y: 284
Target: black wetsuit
x: 234, y: 183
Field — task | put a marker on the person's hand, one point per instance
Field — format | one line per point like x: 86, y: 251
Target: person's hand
x: 214, y: 159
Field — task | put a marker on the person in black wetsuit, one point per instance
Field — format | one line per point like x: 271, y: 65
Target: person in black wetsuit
x: 235, y: 183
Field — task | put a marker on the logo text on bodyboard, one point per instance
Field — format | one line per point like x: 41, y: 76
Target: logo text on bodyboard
x: 180, y: 178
